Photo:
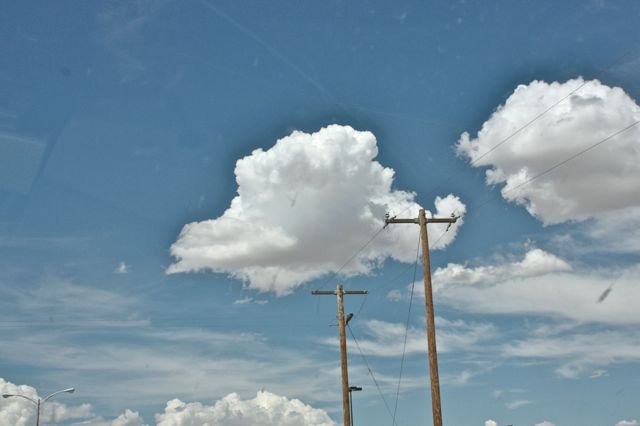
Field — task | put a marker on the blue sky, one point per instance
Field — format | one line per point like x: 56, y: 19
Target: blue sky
x: 123, y: 121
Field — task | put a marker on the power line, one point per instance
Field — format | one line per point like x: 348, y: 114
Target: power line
x: 406, y: 332
x: 357, y: 252
x: 537, y: 117
x: 527, y: 124
x: 364, y: 358
x: 396, y: 277
x: 560, y: 163
x: 387, y: 284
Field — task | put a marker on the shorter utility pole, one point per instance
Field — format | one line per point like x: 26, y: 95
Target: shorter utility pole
x: 428, y: 296
x: 346, y: 411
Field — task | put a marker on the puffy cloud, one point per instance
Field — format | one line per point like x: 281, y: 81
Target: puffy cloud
x: 20, y: 412
x: 604, y: 180
x: 536, y: 262
x: 303, y: 207
x: 386, y: 339
x: 540, y: 284
x: 128, y: 418
x: 627, y: 423
x: 490, y: 423
x: 545, y: 423
x: 265, y: 409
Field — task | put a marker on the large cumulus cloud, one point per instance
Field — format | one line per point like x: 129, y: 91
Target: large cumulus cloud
x: 602, y: 180
x: 266, y: 409
x: 303, y: 207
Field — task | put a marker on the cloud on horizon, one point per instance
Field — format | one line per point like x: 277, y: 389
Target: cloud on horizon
x: 265, y: 409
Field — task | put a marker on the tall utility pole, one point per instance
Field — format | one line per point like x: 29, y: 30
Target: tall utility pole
x: 343, y: 348
x: 428, y: 298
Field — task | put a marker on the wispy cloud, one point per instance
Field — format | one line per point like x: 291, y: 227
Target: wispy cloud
x: 248, y: 300
x: 385, y: 339
x: 579, y: 352
x: 122, y: 268
x: 517, y: 404
x: 546, y: 287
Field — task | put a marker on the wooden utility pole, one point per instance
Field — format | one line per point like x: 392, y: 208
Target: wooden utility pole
x: 346, y: 410
x: 428, y: 298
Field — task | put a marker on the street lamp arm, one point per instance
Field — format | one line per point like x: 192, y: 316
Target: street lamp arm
x: 9, y: 395
x: 70, y: 390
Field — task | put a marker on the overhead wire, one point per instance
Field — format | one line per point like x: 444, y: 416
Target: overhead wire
x: 357, y: 252
x: 540, y: 115
x: 406, y: 332
x: 373, y: 377
x: 558, y: 164
x: 390, y: 282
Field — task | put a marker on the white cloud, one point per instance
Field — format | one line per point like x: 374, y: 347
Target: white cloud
x: 627, y: 423
x: 545, y: 423
x: 128, y: 418
x: 248, y: 300
x: 303, y: 207
x: 121, y: 24
x: 517, y: 404
x: 59, y: 297
x: 490, y: 423
x: 598, y: 373
x: 536, y: 262
x: 465, y: 376
x: 136, y: 364
x: 18, y: 411
x: 265, y: 409
x: 579, y: 352
x: 540, y: 284
x: 603, y: 180
x: 386, y: 339
x: 143, y: 371
x: 122, y: 268
x: 617, y: 231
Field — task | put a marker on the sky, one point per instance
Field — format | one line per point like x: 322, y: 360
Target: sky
x: 177, y: 177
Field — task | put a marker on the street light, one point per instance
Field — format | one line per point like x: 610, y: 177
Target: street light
x: 352, y: 389
x: 39, y: 401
